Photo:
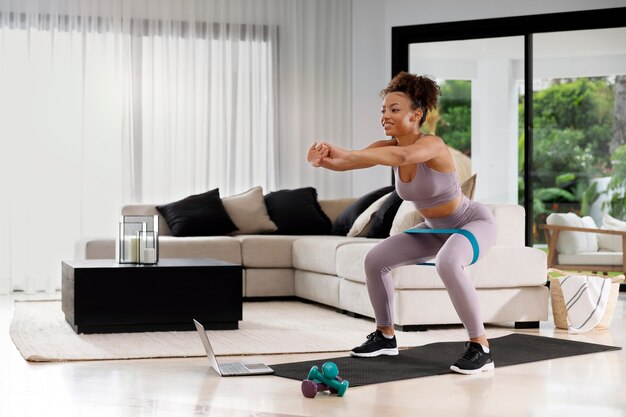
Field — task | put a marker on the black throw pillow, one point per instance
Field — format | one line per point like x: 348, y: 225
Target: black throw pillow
x: 297, y: 212
x: 198, y: 215
x: 346, y: 219
x: 380, y: 225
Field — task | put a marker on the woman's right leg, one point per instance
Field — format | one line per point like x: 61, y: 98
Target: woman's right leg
x: 397, y: 250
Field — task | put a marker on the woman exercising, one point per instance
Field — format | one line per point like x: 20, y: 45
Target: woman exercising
x: 425, y: 175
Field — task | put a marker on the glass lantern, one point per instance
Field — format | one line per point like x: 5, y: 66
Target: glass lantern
x: 138, y: 240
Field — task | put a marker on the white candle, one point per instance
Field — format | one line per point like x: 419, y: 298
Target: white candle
x: 131, y: 249
x: 149, y: 256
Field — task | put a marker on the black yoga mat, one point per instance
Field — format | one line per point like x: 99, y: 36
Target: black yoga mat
x: 436, y: 358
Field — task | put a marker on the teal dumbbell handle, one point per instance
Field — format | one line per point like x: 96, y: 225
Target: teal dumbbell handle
x: 316, y: 375
x: 341, y: 387
x: 313, y: 373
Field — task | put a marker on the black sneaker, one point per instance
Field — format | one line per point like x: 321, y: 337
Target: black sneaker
x: 474, y: 360
x: 376, y: 345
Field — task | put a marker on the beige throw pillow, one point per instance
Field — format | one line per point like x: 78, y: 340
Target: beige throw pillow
x: 408, y: 216
x: 462, y: 163
x: 469, y: 187
x: 249, y: 213
x: 361, y: 225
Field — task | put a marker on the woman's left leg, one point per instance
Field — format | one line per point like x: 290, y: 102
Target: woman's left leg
x: 454, y: 256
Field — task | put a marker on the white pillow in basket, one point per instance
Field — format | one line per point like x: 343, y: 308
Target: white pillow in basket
x: 570, y: 243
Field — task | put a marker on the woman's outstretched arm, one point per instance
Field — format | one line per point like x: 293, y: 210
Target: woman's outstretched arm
x: 329, y: 156
x: 385, y: 153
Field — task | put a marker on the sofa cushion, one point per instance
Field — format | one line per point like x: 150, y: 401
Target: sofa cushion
x: 362, y: 224
x: 500, y: 268
x: 94, y: 248
x: 269, y: 282
x: 510, y: 219
x: 434, y: 307
x: 406, y: 217
x: 320, y: 288
x: 224, y: 248
x: 198, y: 215
x: 266, y: 251
x: 297, y: 212
x: 592, y: 258
x: 248, y: 212
x: 510, y: 266
x: 346, y: 219
x: 335, y: 206
x: 383, y: 218
x: 318, y: 254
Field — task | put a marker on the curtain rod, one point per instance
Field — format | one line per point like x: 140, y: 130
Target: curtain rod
x: 107, y: 24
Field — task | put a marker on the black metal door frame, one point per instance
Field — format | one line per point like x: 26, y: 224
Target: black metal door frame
x: 403, y: 36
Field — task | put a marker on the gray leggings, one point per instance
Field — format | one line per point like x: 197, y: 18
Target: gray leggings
x: 452, y: 254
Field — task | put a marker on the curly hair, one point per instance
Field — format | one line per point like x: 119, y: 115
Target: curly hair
x: 421, y: 90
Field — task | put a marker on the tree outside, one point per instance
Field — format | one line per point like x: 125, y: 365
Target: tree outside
x: 573, y: 132
x: 579, y: 134
x: 453, y: 120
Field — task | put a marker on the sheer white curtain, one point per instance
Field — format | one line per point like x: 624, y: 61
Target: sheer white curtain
x: 315, y: 90
x: 205, y: 101
x: 63, y: 117
x: 111, y: 102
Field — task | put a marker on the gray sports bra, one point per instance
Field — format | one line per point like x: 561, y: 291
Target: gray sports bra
x: 429, y: 188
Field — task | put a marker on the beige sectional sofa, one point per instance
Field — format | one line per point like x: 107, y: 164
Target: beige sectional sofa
x: 329, y: 270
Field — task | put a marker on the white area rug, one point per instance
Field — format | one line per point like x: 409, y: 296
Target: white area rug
x: 41, y: 334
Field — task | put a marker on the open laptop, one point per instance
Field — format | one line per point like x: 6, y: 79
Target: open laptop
x: 230, y: 369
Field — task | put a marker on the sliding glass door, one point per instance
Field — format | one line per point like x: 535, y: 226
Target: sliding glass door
x: 481, y: 80
x: 538, y: 102
x: 579, y: 118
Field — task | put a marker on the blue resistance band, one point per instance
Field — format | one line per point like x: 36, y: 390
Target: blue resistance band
x: 466, y: 233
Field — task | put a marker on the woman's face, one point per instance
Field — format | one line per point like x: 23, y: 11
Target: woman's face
x: 397, y: 117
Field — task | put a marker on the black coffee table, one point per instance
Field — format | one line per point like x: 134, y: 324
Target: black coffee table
x: 101, y: 296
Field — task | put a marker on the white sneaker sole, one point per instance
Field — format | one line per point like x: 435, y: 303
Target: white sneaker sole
x: 380, y: 352
x: 487, y: 367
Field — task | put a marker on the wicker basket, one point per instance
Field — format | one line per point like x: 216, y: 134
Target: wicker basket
x: 558, y: 303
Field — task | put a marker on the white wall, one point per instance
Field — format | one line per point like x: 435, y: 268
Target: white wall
x: 495, y: 131
x: 372, y: 23
x: 369, y: 76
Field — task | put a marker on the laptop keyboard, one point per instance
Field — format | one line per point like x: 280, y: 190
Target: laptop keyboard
x: 233, y: 368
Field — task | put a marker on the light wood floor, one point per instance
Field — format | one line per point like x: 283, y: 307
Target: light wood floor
x: 590, y: 386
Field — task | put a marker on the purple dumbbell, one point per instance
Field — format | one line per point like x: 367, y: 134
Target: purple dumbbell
x: 326, y: 380
x: 310, y: 388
